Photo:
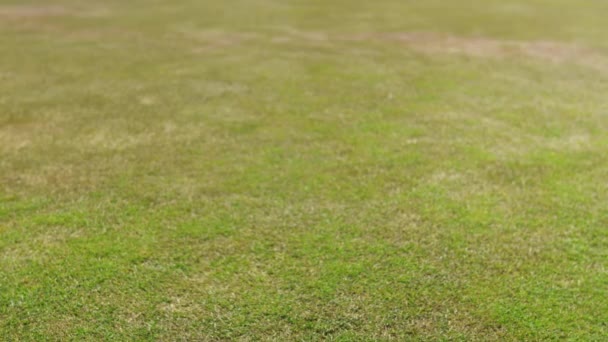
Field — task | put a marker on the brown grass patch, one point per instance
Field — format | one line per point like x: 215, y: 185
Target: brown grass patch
x: 14, y: 140
x: 434, y: 43
x: 430, y: 43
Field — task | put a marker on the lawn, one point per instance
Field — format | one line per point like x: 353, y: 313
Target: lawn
x: 305, y: 170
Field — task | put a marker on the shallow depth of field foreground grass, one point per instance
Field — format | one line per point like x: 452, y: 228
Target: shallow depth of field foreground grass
x: 303, y: 170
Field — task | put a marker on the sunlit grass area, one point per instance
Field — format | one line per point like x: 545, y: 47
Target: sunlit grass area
x: 303, y: 170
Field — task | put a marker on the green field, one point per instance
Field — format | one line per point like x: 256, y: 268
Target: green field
x: 307, y: 170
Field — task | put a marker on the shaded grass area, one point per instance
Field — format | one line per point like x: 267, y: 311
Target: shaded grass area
x: 303, y: 170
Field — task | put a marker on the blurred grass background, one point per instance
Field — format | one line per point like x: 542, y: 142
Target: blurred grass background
x: 303, y: 170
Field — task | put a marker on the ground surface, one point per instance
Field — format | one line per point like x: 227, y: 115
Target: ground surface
x: 303, y: 170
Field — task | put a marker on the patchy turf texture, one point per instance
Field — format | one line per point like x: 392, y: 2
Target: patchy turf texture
x: 303, y: 170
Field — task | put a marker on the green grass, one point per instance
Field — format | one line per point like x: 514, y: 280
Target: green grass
x: 303, y: 170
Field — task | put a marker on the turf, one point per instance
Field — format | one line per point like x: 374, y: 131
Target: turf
x: 303, y: 170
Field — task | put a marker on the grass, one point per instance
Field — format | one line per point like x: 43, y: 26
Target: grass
x: 303, y: 170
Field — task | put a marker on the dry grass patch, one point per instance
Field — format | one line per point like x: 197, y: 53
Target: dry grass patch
x: 474, y: 46
x: 554, y: 52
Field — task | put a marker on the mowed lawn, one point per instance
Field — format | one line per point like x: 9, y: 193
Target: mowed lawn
x: 303, y: 170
